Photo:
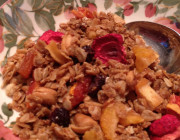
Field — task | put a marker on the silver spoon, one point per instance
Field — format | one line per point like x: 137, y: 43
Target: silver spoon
x: 165, y: 41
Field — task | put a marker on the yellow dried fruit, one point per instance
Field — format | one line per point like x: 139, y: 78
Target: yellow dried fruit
x: 145, y: 56
x: 91, y: 135
x: 173, y: 107
x: 127, y: 116
x: 144, y: 90
x: 108, y: 122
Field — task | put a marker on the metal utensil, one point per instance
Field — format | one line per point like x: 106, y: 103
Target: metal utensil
x: 165, y: 41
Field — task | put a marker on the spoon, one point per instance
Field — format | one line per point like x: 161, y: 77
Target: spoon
x: 164, y: 40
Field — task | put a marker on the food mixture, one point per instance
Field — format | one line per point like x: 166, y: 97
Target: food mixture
x: 92, y: 80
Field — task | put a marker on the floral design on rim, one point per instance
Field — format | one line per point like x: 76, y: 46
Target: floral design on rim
x: 168, y: 22
x: 128, y: 10
x: 122, y: 2
x: 150, y: 10
x: 6, y: 133
x: 1, y: 39
x: 4, y: 2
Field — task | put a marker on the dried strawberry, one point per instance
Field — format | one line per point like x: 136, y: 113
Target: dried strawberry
x: 172, y: 136
x: 109, y: 47
x: 167, y: 124
x: 51, y: 35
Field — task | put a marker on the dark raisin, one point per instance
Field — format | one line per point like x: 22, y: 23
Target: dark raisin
x: 74, y: 59
x: 61, y: 117
x: 68, y: 83
x: 56, y: 65
x: 88, y: 49
x: 83, y: 28
x: 96, y: 85
x: 90, y: 52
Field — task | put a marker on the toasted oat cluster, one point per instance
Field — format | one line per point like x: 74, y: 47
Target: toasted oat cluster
x: 92, y: 80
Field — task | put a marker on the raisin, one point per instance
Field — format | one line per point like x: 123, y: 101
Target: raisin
x: 61, y: 117
x: 88, y: 49
x: 96, y: 85
x: 90, y: 52
x: 83, y: 28
x: 74, y: 59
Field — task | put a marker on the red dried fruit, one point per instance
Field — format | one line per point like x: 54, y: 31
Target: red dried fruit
x: 80, y: 90
x: 167, y: 124
x: 175, y: 99
x: 172, y: 136
x: 32, y: 86
x: 109, y: 47
x: 51, y: 35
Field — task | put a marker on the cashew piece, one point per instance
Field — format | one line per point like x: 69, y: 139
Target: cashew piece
x: 82, y: 123
x: 47, y: 95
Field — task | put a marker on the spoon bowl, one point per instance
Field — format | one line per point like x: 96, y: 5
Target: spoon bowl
x: 165, y: 41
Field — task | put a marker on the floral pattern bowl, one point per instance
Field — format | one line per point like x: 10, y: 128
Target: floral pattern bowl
x: 24, y: 19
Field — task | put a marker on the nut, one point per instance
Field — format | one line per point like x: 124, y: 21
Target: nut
x: 47, y: 95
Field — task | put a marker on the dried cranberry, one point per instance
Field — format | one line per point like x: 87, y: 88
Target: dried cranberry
x: 96, y: 85
x: 61, y: 117
x: 90, y: 52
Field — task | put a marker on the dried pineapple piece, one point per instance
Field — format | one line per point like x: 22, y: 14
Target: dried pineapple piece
x: 91, y: 135
x: 127, y: 115
x: 109, y: 121
x: 117, y: 113
x: 174, y: 104
x: 144, y: 90
x: 173, y: 107
x: 145, y: 56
